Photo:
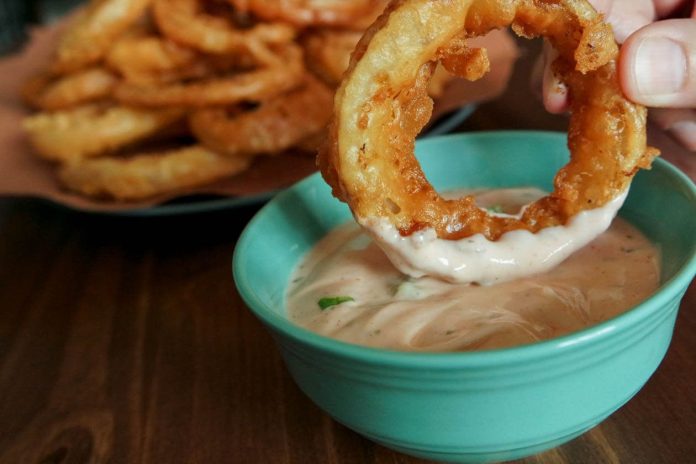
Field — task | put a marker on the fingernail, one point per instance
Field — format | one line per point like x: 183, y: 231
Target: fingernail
x: 660, y: 67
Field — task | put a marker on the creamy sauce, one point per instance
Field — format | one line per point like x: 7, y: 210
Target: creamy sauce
x: 476, y: 259
x: 386, y: 309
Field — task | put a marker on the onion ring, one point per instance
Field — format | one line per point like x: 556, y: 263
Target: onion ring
x: 92, y: 130
x: 185, y: 22
x: 382, y: 104
x: 307, y: 12
x: 150, y: 59
x: 93, y: 31
x: 147, y: 175
x: 362, y: 23
x: 50, y: 92
x: 285, y: 72
x: 276, y: 125
x: 327, y: 54
x: 144, y: 59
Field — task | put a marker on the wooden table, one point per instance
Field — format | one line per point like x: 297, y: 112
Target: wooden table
x: 123, y: 340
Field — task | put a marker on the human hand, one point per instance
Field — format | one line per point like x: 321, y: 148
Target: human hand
x: 657, y: 63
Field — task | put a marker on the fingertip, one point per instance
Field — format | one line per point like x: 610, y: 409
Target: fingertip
x: 555, y: 93
x: 685, y: 133
x: 556, y: 100
x: 679, y: 122
x: 627, y: 70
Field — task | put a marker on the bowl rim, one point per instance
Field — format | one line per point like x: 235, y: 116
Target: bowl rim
x: 483, y: 358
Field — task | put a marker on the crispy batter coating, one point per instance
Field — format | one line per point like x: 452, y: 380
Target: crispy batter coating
x: 150, y: 59
x: 275, y: 125
x: 327, y: 54
x: 146, y: 175
x: 187, y: 22
x: 279, y: 72
x: 307, y: 12
x: 93, y: 130
x: 93, y: 31
x: 382, y: 104
x: 50, y: 92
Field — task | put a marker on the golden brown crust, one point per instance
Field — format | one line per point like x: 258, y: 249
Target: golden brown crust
x: 93, y: 130
x: 383, y: 103
x: 93, y: 31
x: 276, y: 125
x: 51, y: 92
x: 327, y: 52
x: 146, y: 59
x: 147, y: 175
x: 281, y: 71
x: 307, y: 12
x: 186, y: 22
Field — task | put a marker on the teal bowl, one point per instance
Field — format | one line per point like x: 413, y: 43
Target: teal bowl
x: 480, y: 406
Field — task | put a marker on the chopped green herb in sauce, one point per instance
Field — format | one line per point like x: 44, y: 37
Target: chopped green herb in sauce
x: 495, y: 208
x: 329, y: 301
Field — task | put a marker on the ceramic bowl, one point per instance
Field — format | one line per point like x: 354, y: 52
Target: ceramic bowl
x: 481, y: 406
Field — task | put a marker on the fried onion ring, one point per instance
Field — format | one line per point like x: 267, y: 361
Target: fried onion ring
x: 147, y: 175
x: 362, y: 23
x: 49, y: 92
x: 382, y: 104
x: 283, y: 72
x: 307, y: 12
x: 93, y: 31
x: 185, y: 22
x: 327, y: 54
x: 151, y: 59
x: 92, y: 130
x: 274, y: 126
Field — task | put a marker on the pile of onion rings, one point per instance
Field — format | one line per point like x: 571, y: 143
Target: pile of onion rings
x: 151, y: 97
x: 383, y: 103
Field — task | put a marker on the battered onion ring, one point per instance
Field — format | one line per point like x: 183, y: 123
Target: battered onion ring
x: 152, y: 60
x: 49, y: 92
x: 284, y: 73
x: 273, y: 127
x: 92, y: 130
x: 362, y: 23
x: 147, y: 175
x: 327, y: 54
x: 185, y: 22
x: 307, y: 12
x: 93, y: 31
x: 382, y: 104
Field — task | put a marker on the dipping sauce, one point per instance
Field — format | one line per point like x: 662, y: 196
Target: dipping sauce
x: 347, y: 289
x: 514, y: 254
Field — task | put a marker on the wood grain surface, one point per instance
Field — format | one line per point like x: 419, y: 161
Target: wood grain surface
x: 123, y: 340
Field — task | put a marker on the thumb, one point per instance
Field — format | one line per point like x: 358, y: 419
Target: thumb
x: 657, y: 65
